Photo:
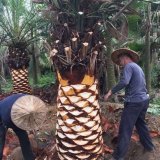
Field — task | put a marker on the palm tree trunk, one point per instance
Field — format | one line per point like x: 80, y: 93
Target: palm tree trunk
x: 110, y: 66
x: 37, y: 55
x: 20, y: 81
x: 147, y: 50
x: 78, y: 128
x: 34, y: 62
x: 34, y: 65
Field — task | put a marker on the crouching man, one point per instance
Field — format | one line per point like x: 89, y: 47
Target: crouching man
x: 21, y: 112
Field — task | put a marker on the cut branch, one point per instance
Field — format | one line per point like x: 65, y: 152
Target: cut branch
x: 74, y: 43
x: 53, y: 52
x: 68, y: 53
x: 93, y: 62
x: 84, y: 49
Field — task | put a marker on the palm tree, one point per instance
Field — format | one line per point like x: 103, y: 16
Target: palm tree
x: 16, y: 23
x: 75, y: 45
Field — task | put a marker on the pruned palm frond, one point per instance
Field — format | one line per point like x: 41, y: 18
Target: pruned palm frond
x: 68, y: 11
x: 76, y: 20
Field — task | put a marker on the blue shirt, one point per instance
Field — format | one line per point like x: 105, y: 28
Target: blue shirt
x: 133, y: 80
x: 5, y: 108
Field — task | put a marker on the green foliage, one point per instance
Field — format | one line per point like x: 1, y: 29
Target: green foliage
x: 155, y: 106
x: 155, y: 75
x: 140, y: 5
x: 7, y: 86
x: 1, y: 7
x: 133, y: 21
x: 16, y: 23
x: 153, y: 1
x: 44, y: 80
x: 136, y: 46
x: 44, y: 60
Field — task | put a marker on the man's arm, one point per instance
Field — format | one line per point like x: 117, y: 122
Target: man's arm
x: 124, y: 81
x: 108, y: 95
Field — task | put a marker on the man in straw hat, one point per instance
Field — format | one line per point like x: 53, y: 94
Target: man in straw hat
x: 136, y: 102
x: 21, y: 112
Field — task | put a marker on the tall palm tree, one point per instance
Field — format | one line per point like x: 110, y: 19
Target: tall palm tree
x: 16, y: 22
x: 75, y: 45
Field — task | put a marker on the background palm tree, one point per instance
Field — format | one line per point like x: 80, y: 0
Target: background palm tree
x: 16, y: 22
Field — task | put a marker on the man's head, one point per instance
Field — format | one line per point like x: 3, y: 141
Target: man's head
x: 123, y: 56
x: 124, y: 59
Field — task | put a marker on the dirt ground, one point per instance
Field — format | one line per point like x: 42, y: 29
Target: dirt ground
x: 43, y: 141
x: 112, y: 113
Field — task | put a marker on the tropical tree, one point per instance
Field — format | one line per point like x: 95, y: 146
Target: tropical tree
x: 16, y: 23
x: 149, y: 37
x: 75, y: 46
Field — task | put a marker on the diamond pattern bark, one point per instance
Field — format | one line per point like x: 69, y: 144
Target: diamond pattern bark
x: 78, y: 128
x: 20, y: 81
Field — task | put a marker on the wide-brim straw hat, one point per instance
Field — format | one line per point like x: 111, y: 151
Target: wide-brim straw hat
x: 115, y: 55
x: 28, y: 112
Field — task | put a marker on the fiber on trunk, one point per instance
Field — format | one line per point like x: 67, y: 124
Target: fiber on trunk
x: 78, y: 129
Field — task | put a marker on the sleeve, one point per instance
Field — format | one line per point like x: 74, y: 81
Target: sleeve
x: 124, y: 79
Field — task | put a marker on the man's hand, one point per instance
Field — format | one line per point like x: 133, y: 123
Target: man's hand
x: 107, y: 95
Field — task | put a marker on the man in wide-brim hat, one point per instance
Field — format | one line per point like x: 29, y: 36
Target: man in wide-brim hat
x: 21, y: 112
x: 136, y: 102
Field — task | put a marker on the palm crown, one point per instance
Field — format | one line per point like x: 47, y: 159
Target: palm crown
x: 76, y: 33
x: 16, y: 23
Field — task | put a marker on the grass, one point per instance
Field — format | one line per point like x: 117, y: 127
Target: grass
x: 44, y: 80
x: 154, y: 106
x: 7, y: 86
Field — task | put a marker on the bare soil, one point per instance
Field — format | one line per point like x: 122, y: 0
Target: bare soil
x: 136, y: 151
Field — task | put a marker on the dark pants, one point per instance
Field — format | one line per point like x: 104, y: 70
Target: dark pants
x: 23, y: 139
x: 133, y: 115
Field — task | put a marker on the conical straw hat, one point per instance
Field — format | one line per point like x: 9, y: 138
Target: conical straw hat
x: 28, y: 112
x: 118, y: 52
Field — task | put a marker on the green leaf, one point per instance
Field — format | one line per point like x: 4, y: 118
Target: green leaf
x: 151, y: 1
x: 17, y: 22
